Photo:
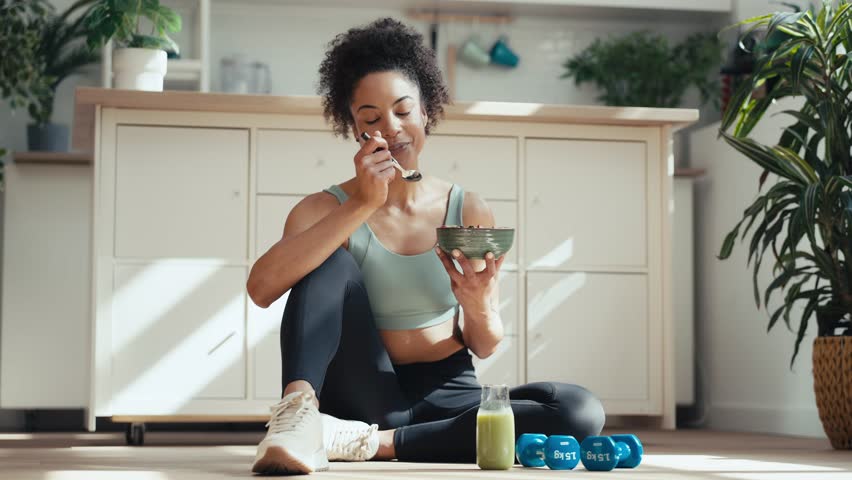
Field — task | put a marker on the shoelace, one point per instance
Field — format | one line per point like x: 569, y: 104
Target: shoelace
x: 288, y: 414
x: 353, y: 442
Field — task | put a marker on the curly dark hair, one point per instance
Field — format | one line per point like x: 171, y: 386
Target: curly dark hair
x: 384, y: 45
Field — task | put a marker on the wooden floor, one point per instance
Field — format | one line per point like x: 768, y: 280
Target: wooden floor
x: 685, y: 454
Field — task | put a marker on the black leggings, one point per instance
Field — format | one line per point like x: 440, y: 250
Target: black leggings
x: 329, y: 339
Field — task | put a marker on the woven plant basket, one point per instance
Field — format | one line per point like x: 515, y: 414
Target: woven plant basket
x: 833, y: 388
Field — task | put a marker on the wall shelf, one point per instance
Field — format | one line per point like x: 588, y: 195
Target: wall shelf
x: 53, y: 157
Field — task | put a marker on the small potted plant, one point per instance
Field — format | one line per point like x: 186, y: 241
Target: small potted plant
x: 140, y: 60
x: 38, y: 50
x: 803, y: 222
x: 642, y: 70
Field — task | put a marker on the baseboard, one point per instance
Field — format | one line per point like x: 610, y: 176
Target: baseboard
x: 796, y: 421
x: 11, y: 420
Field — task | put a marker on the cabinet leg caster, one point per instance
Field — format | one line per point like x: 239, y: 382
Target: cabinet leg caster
x: 135, y: 434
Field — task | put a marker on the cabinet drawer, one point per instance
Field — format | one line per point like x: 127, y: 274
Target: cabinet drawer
x: 302, y: 161
x: 591, y: 329
x: 177, y: 335
x: 586, y: 204
x: 181, y: 192
x: 502, y: 366
x: 487, y: 166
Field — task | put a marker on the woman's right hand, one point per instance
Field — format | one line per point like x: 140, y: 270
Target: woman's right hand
x: 373, y: 171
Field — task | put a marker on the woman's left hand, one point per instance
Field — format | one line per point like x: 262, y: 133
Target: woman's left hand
x: 474, y: 290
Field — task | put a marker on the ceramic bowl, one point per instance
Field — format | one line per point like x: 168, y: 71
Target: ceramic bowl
x: 475, y: 242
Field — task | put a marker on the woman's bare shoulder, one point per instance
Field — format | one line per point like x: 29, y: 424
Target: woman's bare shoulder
x: 309, y: 211
x: 476, y: 211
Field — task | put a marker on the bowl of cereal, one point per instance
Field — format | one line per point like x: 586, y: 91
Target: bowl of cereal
x: 475, y: 241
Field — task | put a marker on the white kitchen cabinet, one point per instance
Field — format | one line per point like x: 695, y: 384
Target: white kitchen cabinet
x: 189, y: 189
x: 587, y: 204
x: 487, y: 165
x: 594, y: 329
x: 178, y: 335
x: 302, y: 161
x: 272, y: 212
x: 175, y: 189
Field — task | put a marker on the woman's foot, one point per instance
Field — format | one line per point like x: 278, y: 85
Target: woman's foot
x: 294, y: 441
x: 349, y: 440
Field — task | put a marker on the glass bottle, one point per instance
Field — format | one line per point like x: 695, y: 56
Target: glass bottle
x: 495, y: 429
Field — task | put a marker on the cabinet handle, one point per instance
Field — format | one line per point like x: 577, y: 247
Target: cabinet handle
x: 455, y: 166
x: 320, y: 162
x: 535, y: 200
x: 236, y: 194
x: 221, y: 343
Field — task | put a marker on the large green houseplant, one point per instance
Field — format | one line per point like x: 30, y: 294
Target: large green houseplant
x: 38, y: 50
x: 804, y: 220
x: 642, y: 69
x: 139, y: 61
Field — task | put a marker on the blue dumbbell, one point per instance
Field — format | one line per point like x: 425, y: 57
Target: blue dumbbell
x: 559, y: 452
x: 605, y: 453
x: 530, y: 449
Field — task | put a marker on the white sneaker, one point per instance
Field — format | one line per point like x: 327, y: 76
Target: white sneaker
x: 294, y: 441
x: 349, y: 440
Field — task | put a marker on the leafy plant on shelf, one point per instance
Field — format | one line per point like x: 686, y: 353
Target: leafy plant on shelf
x: 642, y: 70
x: 804, y: 220
x: 121, y: 20
x: 38, y: 50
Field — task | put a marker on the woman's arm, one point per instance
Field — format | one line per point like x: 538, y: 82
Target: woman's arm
x: 315, y: 228
x: 476, y: 288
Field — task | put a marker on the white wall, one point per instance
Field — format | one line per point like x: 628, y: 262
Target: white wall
x: 292, y: 40
x: 744, y: 374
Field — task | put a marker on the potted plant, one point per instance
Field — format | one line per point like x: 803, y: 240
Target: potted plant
x: 140, y: 61
x: 642, y: 70
x: 804, y: 220
x: 38, y: 50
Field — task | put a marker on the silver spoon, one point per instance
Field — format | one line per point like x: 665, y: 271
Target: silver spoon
x: 407, y: 175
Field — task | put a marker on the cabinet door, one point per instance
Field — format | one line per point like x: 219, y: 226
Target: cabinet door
x: 47, y: 261
x: 301, y: 161
x: 502, y: 366
x: 272, y: 212
x: 264, y: 324
x: 591, y: 329
x: 181, y: 192
x: 485, y: 165
x: 586, y: 204
x: 177, y: 335
x: 509, y: 302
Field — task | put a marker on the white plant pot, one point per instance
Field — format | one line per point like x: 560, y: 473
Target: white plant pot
x: 139, y: 69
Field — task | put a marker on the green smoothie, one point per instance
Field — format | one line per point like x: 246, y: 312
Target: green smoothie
x: 495, y: 439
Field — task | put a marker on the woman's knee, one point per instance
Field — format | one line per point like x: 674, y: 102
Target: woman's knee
x: 579, y: 410
x: 339, y: 267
